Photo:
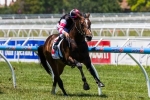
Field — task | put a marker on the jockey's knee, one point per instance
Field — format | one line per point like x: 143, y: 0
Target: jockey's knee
x: 61, y: 36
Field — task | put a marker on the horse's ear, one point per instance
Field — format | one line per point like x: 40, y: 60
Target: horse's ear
x: 88, y: 15
x: 79, y: 16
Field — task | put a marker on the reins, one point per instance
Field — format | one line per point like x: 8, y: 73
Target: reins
x: 80, y: 30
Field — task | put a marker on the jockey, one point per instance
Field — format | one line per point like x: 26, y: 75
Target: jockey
x: 64, y: 25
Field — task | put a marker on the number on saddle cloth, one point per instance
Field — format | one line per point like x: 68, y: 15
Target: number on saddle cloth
x: 56, y: 54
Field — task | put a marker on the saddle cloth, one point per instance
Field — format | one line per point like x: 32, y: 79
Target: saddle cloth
x: 56, y: 54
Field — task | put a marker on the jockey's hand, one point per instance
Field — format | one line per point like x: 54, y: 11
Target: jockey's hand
x: 66, y: 35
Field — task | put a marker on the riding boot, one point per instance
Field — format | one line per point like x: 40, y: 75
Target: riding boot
x: 56, y: 43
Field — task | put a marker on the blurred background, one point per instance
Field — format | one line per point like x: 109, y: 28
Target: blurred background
x: 64, y: 6
x: 23, y: 9
x: 106, y: 16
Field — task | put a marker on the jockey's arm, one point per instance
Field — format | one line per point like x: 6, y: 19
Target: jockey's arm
x: 61, y: 27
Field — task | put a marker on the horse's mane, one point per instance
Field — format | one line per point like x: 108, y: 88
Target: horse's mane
x: 76, y: 31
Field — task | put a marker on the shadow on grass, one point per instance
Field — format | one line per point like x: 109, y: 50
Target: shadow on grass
x: 85, y: 95
x: 1, y: 92
x: 59, y: 93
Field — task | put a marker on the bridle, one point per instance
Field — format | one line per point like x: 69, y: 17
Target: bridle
x: 80, y: 29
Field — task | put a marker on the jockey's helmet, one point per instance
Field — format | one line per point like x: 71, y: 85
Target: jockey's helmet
x: 74, y: 12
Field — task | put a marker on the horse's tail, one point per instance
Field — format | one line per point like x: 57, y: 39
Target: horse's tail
x: 43, y: 59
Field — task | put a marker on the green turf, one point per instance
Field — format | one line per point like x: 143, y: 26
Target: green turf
x: 33, y: 83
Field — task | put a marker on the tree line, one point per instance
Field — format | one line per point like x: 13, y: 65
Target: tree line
x: 64, y: 6
x: 139, y: 5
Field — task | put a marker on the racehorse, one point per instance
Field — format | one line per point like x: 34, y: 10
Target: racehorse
x: 74, y: 50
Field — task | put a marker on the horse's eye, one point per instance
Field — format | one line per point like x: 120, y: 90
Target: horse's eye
x: 82, y: 24
x: 89, y: 27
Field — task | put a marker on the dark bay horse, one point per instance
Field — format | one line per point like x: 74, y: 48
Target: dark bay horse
x: 74, y: 51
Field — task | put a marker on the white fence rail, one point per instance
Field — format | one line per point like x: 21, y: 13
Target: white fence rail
x: 97, y: 58
x: 95, y: 17
x: 126, y: 29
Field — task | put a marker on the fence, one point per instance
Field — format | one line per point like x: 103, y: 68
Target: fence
x: 114, y: 29
x: 97, y: 58
x: 95, y: 17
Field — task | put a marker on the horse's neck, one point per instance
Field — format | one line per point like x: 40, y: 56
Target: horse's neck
x: 74, y: 34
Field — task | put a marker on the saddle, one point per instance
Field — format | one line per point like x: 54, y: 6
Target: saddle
x: 57, y: 54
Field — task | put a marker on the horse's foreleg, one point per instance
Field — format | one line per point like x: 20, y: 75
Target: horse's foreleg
x: 88, y: 65
x: 71, y: 60
x: 85, y: 85
x: 79, y: 66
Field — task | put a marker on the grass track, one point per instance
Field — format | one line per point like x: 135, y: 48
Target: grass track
x: 33, y: 83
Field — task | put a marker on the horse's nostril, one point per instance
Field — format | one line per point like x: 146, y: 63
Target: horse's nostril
x: 88, y: 38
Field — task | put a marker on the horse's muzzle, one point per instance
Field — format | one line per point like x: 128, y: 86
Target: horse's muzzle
x: 88, y: 38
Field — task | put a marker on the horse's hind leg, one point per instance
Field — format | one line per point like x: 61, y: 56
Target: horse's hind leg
x: 60, y: 83
x: 85, y: 85
x: 58, y: 69
x: 54, y: 86
x: 58, y: 80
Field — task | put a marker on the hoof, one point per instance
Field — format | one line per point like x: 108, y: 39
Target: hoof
x: 86, y: 86
x: 78, y: 64
x: 53, y: 92
x: 100, y: 84
x: 66, y: 95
